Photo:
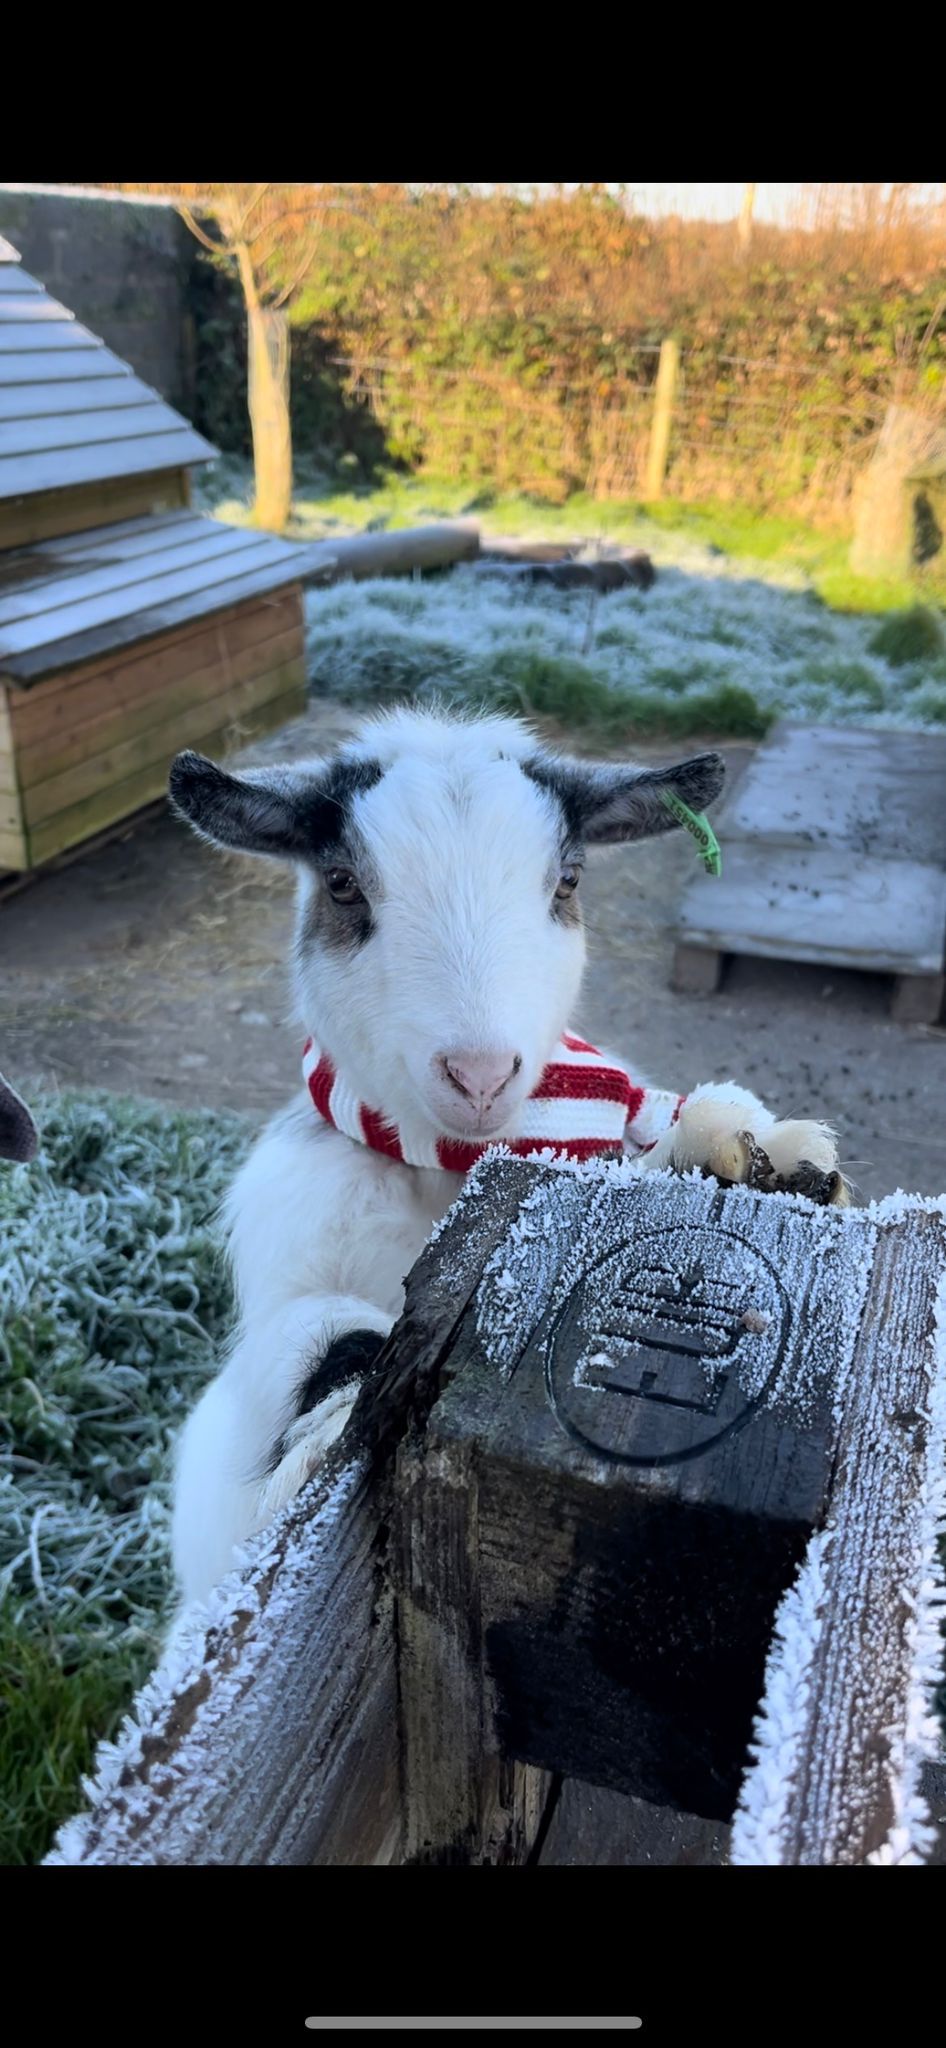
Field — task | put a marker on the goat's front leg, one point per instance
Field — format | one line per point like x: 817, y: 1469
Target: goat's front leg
x: 725, y: 1130
x: 264, y: 1423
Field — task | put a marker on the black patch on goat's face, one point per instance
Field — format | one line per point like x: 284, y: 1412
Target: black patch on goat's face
x: 339, y: 927
x: 567, y: 910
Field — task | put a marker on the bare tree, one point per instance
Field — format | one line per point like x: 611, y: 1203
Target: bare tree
x: 268, y: 236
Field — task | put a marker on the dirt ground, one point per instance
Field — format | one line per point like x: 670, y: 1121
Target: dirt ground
x: 155, y: 966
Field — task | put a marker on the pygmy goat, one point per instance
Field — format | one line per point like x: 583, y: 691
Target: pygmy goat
x: 438, y: 957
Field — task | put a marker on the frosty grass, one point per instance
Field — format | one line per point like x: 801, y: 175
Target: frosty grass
x: 113, y: 1297
x: 716, y: 645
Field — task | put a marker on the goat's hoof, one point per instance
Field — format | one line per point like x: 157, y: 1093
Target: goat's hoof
x: 827, y: 1190
x: 826, y: 1187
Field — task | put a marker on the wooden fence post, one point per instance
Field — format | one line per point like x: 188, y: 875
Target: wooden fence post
x: 884, y: 501
x: 643, y: 1487
x: 746, y: 211
x: 670, y: 1418
x: 667, y: 373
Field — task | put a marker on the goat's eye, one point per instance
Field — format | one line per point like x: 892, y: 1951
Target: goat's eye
x: 342, y: 886
x: 567, y: 883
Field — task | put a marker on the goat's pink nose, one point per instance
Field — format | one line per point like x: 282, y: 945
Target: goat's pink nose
x: 480, y: 1076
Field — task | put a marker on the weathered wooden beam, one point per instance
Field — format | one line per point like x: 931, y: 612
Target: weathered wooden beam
x: 665, y: 391
x: 845, y: 1716
x: 626, y: 1428
x: 467, y: 1800
x: 398, y: 553
x: 269, y: 1734
x: 649, y: 1412
x: 590, y: 1826
x: 629, y: 570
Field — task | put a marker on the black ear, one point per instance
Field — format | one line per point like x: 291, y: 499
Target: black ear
x: 251, y: 813
x: 279, y: 811
x: 294, y: 813
x: 19, y: 1136
x: 604, y: 803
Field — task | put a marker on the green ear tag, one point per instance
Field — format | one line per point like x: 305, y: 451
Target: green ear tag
x: 702, y: 831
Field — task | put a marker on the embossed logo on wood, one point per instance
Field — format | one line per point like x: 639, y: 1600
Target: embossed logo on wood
x: 667, y: 1345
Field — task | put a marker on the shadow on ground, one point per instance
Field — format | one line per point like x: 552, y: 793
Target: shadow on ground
x: 156, y: 966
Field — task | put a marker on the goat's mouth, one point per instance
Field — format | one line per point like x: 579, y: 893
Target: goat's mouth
x: 491, y: 1123
x: 475, y: 1094
x: 455, y: 1118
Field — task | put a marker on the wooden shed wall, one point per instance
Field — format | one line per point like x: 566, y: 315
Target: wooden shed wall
x: 48, y: 514
x: 89, y: 746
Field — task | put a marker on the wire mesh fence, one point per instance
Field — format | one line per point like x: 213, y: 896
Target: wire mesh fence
x: 747, y: 426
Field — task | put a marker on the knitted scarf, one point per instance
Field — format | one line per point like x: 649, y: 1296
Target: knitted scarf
x: 582, y: 1107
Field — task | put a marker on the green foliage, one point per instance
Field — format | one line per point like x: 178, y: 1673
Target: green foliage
x: 480, y: 336
x: 914, y: 635
x: 54, y: 1708
x: 850, y: 679
x: 930, y: 702
x: 219, y: 328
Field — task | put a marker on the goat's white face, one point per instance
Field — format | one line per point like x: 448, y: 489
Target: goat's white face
x: 439, y: 945
x: 451, y: 977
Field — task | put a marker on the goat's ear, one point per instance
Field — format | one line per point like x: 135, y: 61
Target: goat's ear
x: 270, y: 811
x: 19, y: 1136
x: 604, y: 803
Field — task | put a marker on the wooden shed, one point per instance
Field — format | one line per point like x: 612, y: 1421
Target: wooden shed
x: 130, y: 626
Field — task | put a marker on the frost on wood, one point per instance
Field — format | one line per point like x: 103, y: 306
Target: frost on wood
x: 218, y: 1760
x: 580, y: 1222
x: 270, y: 1731
x: 846, y: 1721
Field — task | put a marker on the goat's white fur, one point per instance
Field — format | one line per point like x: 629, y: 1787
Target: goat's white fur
x: 460, y: 854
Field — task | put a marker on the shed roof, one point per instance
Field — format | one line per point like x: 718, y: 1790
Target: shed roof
x: 71, y: 412
x: 74, y: 599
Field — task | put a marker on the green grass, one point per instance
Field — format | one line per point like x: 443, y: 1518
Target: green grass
x: 54, y: 1708
x: 570, y: 695
x: 818, y: 558
x: 113, y: 1299
x: 916, y: 634
x: 753, y: 617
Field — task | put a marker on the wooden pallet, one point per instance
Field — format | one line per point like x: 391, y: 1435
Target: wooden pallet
x: 834, y: 852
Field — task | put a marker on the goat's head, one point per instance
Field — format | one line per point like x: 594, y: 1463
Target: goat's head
x: 439, y: 943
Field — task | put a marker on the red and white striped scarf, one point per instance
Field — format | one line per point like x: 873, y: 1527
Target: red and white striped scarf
x: 581, y: 1108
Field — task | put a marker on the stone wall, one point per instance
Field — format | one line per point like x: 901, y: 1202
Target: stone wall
x: 124, y: 268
